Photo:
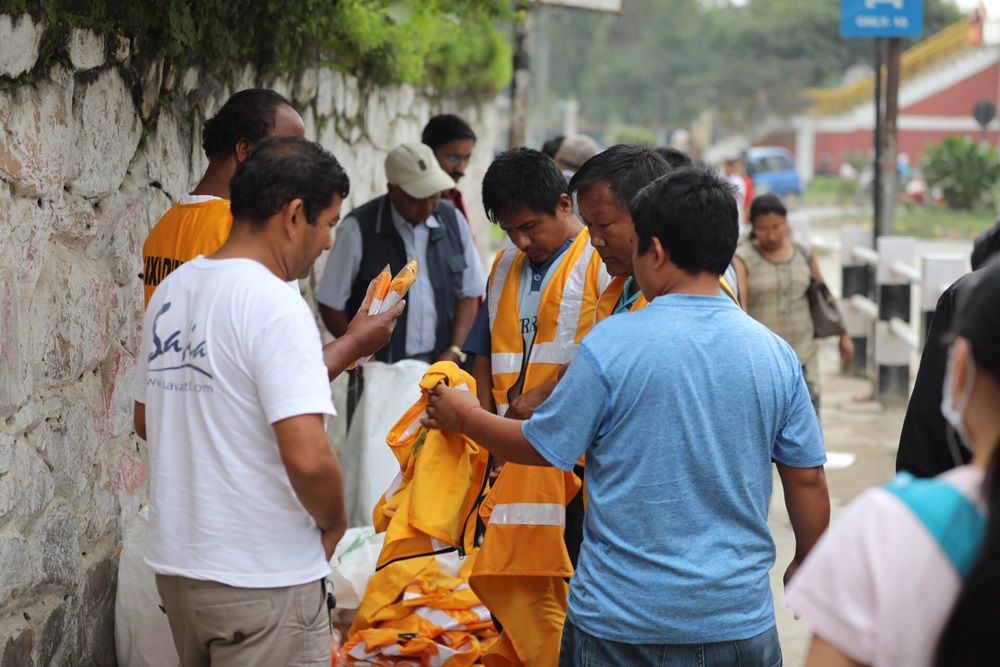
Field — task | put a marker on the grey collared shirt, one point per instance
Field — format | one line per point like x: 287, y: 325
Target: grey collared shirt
x: 345, y: 260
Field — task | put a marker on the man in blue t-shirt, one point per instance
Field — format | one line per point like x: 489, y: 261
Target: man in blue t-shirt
x: 676, y: 549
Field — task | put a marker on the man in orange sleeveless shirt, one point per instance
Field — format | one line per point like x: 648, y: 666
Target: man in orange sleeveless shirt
x: 199, y: 223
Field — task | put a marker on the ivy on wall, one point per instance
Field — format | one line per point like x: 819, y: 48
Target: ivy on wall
x: 452, y: 45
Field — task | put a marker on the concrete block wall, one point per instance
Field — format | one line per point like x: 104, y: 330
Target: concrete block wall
x: 90, y: 157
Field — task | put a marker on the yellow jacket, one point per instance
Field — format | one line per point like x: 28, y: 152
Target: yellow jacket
x: 433, y: 618
x: 565, y: 316
x: 418, y: 603
x: 430, y: 506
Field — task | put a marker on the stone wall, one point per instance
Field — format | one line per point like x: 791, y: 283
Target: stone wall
x: 90, y: 157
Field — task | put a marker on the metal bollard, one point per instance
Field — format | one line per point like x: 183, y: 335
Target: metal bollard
x: 940, y: 271
x: 856, y: 279
x: 893, y: 352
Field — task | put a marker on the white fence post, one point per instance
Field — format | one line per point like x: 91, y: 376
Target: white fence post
x: 896, y: 269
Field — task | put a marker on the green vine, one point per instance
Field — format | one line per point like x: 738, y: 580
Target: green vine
x: 452, y: 46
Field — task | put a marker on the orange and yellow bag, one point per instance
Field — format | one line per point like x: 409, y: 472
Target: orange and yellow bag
x: 385, y: 291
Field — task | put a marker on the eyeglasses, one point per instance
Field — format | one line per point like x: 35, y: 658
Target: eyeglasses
x: 457, y: 159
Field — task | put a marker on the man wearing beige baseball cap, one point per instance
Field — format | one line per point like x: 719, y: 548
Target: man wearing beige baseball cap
x: 410, y: 220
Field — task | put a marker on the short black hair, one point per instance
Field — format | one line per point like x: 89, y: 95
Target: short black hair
x: 444, y: 129
x: 552, y: 146
x: 692, y: 211
x: 676, y: 158
x: 249, y: 114
x: 522, y: 178
x: 764, y: 204
x: 627, y: 169
x: 280, y: 170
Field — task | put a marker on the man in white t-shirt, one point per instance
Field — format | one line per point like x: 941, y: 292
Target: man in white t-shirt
x: 246, y: 496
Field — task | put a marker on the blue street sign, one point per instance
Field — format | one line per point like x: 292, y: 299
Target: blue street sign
x: 881, y: 18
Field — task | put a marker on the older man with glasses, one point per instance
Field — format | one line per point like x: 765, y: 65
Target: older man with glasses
x: 452, y: 141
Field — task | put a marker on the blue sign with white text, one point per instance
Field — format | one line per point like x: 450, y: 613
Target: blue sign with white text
x: 881, y: 18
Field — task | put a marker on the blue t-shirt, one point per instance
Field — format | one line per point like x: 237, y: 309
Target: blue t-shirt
x: 680, y: 408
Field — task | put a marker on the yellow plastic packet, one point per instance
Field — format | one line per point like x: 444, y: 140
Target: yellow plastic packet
x: 385, y: 291
x: 377, y: 289
x: 400, y: 284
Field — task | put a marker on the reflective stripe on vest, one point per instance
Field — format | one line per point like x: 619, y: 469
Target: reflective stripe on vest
x: 557, y: 334
x: 528, y: 514
x: 499, y: 277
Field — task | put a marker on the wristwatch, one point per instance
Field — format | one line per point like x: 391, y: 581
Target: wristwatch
x: 457, y: 351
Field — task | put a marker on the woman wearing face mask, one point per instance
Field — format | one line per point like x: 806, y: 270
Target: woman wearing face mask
x: 910, y: 575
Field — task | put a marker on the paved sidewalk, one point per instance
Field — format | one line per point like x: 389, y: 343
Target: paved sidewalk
x: 852, y: 424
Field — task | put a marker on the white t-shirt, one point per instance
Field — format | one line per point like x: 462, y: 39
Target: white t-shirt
x: 878, y: 586
x: 226, y: 352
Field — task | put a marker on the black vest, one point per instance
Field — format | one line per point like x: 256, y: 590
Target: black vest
x: 381, y: 244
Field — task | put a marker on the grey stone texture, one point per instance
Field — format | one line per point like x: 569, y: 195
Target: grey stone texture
x: 81, y: 185
x: 21, y: 38
x: 86, y: 49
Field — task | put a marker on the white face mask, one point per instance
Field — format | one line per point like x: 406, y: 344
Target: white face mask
x: 954, y: 409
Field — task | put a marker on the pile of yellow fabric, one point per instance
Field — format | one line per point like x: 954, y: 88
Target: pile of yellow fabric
x: 418, y: 608
x: 436, y: 619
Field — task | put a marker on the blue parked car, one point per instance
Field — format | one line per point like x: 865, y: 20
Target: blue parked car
x: 772, y: 169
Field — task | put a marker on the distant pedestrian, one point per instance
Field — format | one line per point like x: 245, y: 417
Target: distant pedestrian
x: 732, y: 167
x: 574, y: 151
x: 551, y: 147
x: 774, y: 274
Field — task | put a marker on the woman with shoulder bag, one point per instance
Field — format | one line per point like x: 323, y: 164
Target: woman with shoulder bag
x: 775, y: 278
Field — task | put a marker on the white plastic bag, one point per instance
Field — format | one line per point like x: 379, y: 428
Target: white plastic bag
x: 142, y: 632
x: 368, y: 463
x: 353, y: 564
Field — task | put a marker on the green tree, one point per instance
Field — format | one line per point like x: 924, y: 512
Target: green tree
x: 967, y: 171
x: 663, y: 61
x: 381, y: 41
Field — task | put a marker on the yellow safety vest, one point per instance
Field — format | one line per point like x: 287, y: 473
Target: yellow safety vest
x: 521, y: 570
x: 565, y: 316
x: 610, y: 297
